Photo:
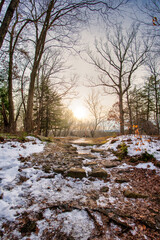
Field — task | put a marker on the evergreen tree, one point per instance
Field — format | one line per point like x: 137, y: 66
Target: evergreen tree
x: 4, y: 103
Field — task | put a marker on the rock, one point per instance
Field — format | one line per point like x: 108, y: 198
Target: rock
x: 44, y: 139
x: 132, y: 194
x: 104, y: 189
x: 121, y: 180
x: 59, y: 170
x: 90, y: 164
x: 29, y: 226
x: 87, y: 156
x: 157, y: 220
x: 110, y: 164
x: 157, y: 164
x: 113, y: 141
x: 79, y: 158
x: 97, y: 150
x: 100, y: 173
x: 76, y: 173
x: 1, y: 139
x: 46, y: 168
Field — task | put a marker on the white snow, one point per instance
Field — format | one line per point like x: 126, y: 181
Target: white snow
x: 43, y: 191
x: 76, y: 218
x: 9, y: 165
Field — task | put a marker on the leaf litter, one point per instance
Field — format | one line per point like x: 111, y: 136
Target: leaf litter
x: 39, y: 204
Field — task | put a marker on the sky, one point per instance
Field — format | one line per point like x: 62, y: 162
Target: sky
x: 86, y: 71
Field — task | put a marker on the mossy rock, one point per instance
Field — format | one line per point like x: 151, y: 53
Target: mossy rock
x: 99, y: 173
x: 144, y: 157
x: 132, y: 194
x: 44, y: 139
x: 76, y: 173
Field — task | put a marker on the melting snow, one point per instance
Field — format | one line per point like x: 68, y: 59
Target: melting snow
x: 9, y: 165
x: 58, y: 189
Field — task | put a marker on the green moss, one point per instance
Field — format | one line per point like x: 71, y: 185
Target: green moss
x: 144, y: 157
x: 122, y: 151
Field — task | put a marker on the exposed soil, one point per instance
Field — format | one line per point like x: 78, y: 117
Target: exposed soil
x: 127, y: 206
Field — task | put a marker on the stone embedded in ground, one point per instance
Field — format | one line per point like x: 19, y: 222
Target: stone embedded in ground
x: 76, y: 173
x: 79, y: 158
x: 90, y: 164
x: 100, y: 173
x: 110, y: 164
x: 1, y: 139
x: 113, y: 141
x: 97, y: 150
x: 28, y: 227
x: 132, y: 194
x: 59, y: 170
x: 157, y: 163
x: 87, y: 156
x: 45, y: 139
x: 121, y: 180
x: 104, y: 189
x: 46, y: 168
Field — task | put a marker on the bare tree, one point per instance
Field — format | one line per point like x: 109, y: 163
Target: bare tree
x: 154, y: 84
x: 117, y: 59
x: 14, y: 36
x: 58, y: 15
x: 1, y: 5
x: 7, y: 19
x: 96, y: 110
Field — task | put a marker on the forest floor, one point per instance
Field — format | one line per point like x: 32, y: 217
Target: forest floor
x: 80, y: 189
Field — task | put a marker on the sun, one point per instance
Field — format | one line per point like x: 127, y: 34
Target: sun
x: 80, y: 112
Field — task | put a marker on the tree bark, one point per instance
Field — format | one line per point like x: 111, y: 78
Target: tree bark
x: 7, y: 19
x: 38, y: 55
x: 157, y: 108
x: 1, y: 5
x: 12, y: 124
x: 130, y: 114
x: 5, y: 119
x: 121, y: 114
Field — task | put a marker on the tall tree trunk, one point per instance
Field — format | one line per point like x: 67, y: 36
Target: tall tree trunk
x: 5, y: 119
x: 7, y: 19
x: 130, y: 114
x: 38, y: 55
x: 47, y: 122
x: 121, y: 114
x: 12, y: 124
x: 1, y: 5
x: 156, y: 100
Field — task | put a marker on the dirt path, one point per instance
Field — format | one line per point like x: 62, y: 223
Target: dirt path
x: 78, y: 191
